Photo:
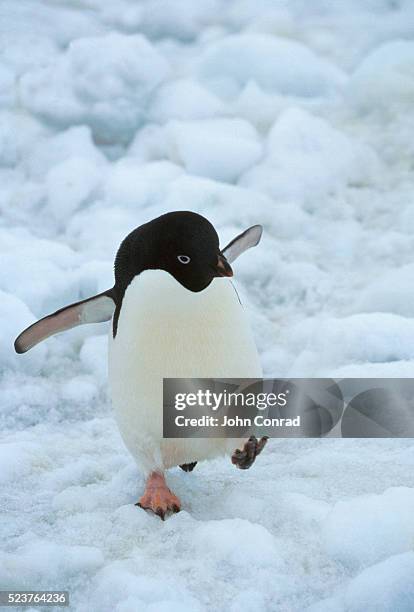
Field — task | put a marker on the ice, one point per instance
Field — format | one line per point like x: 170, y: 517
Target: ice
x: 93, y: 356
x: 382, y: 587
x: 307, y: 157
x: 385, y: 586
x: 295, y: 115
x: 103, y: 81
x: 20, y: 135
x: 23, y: 26
x: 119, y: 586
x: 46, y: 561
x: 387, y: 338
x: 394, y: 61
x: 16, y: 461
x: 258, y: 546
x: 60, y: 147
x: 219, y: 149
x: 371, y: 528
x: 47, y: 263
x: 389, y: 293
x: 276, y: 64
x: 184, y: 99
x: 7, y: 87
x: 162, y: 18
x: 16, y: 316
x: 133, y: 184
x: 80, y: 389
x: 71, y: 184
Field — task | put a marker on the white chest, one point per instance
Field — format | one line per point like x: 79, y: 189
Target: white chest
x: 166, y: 331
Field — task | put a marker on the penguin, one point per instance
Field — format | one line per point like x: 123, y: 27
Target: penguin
x: 175, y: 314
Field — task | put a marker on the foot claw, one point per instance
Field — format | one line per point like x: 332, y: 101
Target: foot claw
x: 243, y: 459
x: 188, y: 467
x: 159, y: 499
x: 160, y: 512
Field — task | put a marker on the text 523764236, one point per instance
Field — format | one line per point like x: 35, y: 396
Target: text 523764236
x: 34, y: 598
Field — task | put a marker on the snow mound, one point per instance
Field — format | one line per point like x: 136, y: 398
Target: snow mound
x: 308, y: 159
x: 184, y: 99
x: 103, y: 81
x: 385, y: 78
x: 352, y: 527
x: 70, y: 185
x: 48, y: 264
x: 384, y: 587
x: 118, y: 587
x: 275, y: 64
x: 16, y: 316
x: 17, y: 460
x: 49, y: 151
x: 219, y: 149
x: 222, y: 537
x: 183, y: 21
x: 335, y: 342
x: 19, y: 135
x: 392, y: 292
x: 93, y: 355
x: 45, y: 562
x: 136, y: 185
x: 220, y: 200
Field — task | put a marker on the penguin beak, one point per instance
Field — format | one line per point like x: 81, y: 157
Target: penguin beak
x: 223, y: 267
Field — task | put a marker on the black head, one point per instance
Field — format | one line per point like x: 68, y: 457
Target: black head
x: 184, y: 244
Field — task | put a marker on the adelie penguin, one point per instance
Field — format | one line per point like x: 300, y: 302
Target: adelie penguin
x: 175, y: 314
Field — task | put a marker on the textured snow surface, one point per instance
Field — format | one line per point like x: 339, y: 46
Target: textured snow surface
x: 293, y: 114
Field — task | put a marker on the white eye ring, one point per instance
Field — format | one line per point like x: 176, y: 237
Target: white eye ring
x: 184, y: 259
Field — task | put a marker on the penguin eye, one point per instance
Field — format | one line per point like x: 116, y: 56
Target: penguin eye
x: 184, y: 259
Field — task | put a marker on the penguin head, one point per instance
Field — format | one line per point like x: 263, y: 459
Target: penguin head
x: 184, y: 244
x: 191, y: 251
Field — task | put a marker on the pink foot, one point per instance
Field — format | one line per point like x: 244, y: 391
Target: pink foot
x: 158, y: 497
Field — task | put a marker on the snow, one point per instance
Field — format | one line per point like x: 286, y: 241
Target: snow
x: 387, y: 337
x: 385, y: 78
x: 385, y: 586
x: 102, y: 81
x: 184, y: 99
x: 302, y: 160
x: 204, y: 147
x: 275, y: 64
x: 388, y: 514
x: 295, y: 115
x: 207, y: 148
x: 71, y: 184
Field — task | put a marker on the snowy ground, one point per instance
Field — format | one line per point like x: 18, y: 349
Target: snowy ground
x: 293, y: 114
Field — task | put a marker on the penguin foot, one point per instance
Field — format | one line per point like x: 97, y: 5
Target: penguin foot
x: 244, y: 458
x: 158, y: 498
x: 188, y: 467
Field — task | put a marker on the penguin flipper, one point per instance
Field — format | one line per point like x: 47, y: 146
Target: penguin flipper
x: 92, y: 310
x: 247, y: 239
